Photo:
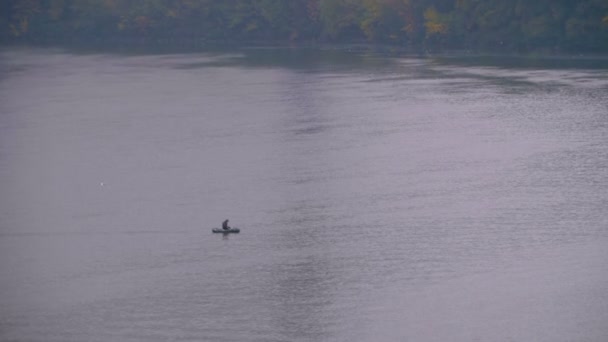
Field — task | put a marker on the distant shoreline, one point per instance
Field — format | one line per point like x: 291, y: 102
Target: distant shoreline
x: 193, y: 46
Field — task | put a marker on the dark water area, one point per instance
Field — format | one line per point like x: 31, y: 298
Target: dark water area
x: 380, y: 197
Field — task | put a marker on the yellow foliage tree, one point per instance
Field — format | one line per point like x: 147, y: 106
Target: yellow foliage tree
x: 434, y: 22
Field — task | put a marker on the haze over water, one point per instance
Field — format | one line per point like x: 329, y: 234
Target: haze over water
x: 380, y: 198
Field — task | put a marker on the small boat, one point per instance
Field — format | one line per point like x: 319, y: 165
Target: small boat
x: 225, y: 231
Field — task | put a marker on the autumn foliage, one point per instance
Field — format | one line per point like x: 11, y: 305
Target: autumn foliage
x: 516, y: 25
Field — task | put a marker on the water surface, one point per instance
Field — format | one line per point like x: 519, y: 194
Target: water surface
x: 380, y: 198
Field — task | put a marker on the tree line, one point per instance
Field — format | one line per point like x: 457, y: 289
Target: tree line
x: 490, y: 25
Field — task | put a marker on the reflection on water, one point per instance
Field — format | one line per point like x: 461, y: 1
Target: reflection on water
x: 380, y: 198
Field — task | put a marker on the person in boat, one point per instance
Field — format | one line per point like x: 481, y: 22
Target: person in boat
x: 225, y: 225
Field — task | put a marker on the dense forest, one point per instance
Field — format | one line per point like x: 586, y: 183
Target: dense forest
x: 489, y: 25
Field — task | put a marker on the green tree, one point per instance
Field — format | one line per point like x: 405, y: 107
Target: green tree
x: 388, y: 21
x: 340, y: 19
x: 585, y: 29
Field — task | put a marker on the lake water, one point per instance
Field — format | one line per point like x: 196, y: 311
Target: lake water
x: 380, y: 198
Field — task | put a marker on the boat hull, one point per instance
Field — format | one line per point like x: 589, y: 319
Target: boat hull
x: 226, y: 231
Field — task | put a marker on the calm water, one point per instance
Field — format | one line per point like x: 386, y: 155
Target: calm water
x: 380, y: 198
